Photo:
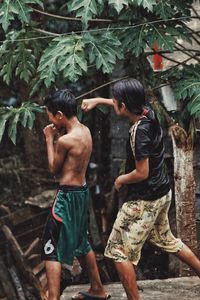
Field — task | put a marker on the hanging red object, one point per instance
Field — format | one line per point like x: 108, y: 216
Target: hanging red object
x: 157, y: 59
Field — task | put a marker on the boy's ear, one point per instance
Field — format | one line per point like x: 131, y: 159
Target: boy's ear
x: 123, y: 107
x: 59, y: 115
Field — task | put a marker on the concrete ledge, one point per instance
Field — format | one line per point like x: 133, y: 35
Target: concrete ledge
x: 183, y: 288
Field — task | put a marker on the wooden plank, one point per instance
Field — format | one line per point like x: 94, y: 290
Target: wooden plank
x: 31, y: 247
x: 22, y: 215
x: 18, y: 216
x: 28, y: 236
x: 33, y: 214
x: 38, y: 268
x: 21, y: 263
x: 43, y: 281
x: 5, y: 282
x: 5, y: 209
x: 17, y: 283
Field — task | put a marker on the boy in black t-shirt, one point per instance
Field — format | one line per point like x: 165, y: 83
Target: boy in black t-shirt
x: 145, y: 211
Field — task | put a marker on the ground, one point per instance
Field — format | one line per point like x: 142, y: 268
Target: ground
x: 185, y: 288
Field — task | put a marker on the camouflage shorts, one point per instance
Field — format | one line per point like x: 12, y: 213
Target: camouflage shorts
x: 136, y: 221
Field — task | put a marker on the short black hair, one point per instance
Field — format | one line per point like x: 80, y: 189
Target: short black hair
x: 131, y: 92
x: 62, y: 100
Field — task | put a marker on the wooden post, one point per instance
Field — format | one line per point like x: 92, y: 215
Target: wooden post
x: 22, y: 265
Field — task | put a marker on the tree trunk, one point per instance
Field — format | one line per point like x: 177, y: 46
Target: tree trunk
x: 184, y: 191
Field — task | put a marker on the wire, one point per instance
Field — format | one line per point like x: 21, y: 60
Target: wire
x: 52, y: 35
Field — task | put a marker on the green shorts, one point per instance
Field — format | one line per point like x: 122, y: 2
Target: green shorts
x: 137, y: 221
x: 66, y: 232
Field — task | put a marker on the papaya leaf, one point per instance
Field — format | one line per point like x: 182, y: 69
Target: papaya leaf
x: 134, y: 40
x: 3, y: 119
x: 16, y: 57
x: 149, y: 4
x: 9, y: 9
x: 12, y: 128
x: 25, y: 115
x: 86, y: 9
x: 118, y: 4
x: 159, y: 34
x: 24, y: 118
x: 30, y: 119
x: 65, y: 55
x: 103, y: 50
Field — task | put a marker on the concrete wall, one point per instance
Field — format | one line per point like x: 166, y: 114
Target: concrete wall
x: 118, y: 135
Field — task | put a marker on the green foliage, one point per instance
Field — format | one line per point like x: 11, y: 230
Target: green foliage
x: 20, y: 8
x: 32, y: 54
x: 66, y: 55
x: 169, y: 8
x: 164, y: 9
x: 164, y: 39
x: 89, y: 9
x: 69, y: 55
x: 103, y: 50
x: 25, y: 115
x: 86, y: 9
x: 119, y: 4
x: 146, y: 3
x: 16, y: 58
x: 134, y: 40
x: 188, y: 88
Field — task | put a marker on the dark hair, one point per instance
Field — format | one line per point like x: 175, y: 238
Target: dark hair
x: 131, y: 93
x: 62, y: 100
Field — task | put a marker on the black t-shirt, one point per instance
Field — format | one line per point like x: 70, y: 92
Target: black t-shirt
x: 146, y: 141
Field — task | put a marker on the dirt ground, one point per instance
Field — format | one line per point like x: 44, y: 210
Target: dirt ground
x: 185, y: 288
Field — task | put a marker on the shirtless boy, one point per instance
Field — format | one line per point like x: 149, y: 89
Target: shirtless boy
x: 65, y: 234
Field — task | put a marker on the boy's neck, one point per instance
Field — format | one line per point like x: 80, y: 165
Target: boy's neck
x: 134, y: 118
x: 70, y: 124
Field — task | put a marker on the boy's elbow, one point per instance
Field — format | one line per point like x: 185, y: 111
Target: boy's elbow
x: 53, y: 170
x: 143, y: 175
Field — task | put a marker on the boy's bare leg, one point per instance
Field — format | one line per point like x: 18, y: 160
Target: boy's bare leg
x: 53, y: 270
x: 88, y: 262
x: 127, y: 277
x: 188, y: 257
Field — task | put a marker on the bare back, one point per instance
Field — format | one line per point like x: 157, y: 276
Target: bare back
x: 78, y: 145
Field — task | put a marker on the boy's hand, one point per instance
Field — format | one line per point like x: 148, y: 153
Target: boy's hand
x: 118, y: 183
x: 50, y: 131
x: 89, y: 104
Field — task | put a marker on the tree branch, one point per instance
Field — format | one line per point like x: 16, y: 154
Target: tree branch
x: 170, y: 59
x: 160, y: 52
x: 185, y: 51
x: 100, y: 87
x: 68, y: 18
x: 194, y: 33
x: 46, y: 32
x: 178, y: 64
x: 195, y: 12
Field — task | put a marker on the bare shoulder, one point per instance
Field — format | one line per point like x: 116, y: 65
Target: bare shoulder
x: 78, y: 135
x: 64, y: 141
x: 86, y: 129
x: 86, y: 135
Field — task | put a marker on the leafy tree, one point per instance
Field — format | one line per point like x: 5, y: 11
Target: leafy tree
x: 46, y: 44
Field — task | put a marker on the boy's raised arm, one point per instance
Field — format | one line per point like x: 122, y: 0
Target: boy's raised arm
x: 89, y: 104
x: 56, y: 153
